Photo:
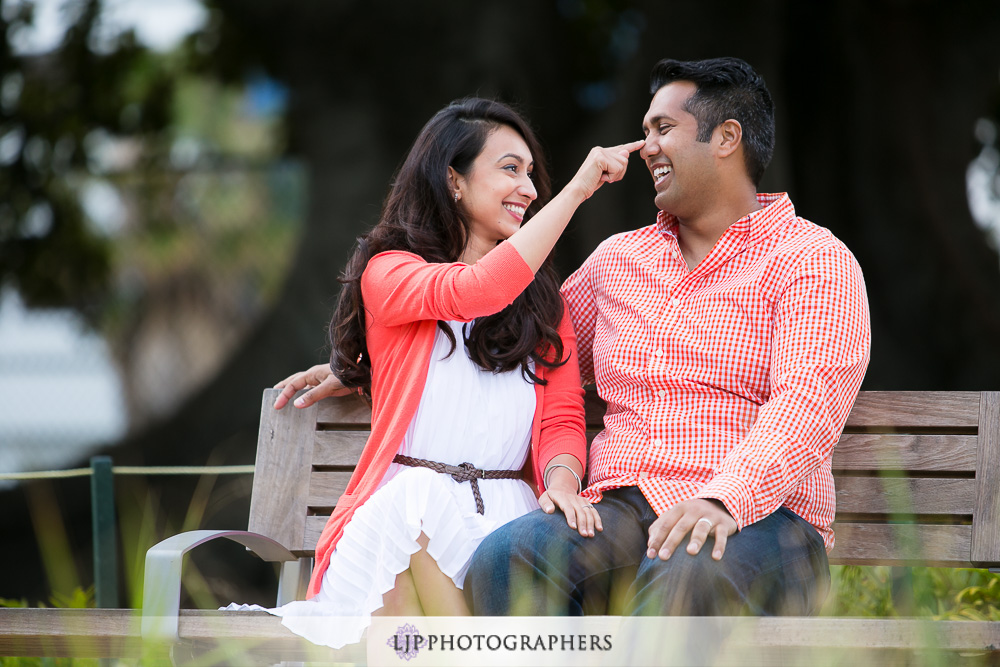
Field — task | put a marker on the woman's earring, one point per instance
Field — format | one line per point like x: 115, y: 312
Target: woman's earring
x: 456, y: 197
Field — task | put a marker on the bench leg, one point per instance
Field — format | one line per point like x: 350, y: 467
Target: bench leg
x: 161, y: 591
x: 294, y: 580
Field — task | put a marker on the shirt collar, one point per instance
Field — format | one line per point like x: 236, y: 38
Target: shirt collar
x: 776, y: 209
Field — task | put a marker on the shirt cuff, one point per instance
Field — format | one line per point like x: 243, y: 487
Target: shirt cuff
x: 734, y: 494
x: 592, y: 494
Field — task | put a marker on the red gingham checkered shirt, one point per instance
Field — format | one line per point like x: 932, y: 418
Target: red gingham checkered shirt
x: 732, y: 381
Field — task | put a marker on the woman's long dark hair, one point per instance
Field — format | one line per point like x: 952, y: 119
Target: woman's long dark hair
x: 421, y: 216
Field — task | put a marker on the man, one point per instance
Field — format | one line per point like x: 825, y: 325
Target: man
x: 729, y: 340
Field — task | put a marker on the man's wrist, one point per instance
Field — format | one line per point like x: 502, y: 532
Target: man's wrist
x: 734, y: 494
x: 721, y: 505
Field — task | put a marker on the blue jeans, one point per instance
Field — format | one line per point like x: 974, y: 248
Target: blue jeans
x: 537, y: 565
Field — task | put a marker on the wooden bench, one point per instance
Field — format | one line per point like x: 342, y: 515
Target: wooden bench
x: 918, y: 483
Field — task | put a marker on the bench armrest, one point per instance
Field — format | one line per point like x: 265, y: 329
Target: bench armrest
x: 161, y: 589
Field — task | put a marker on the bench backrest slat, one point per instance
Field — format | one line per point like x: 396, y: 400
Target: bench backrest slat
x: 325, y: 486
x: 282, y: 471
x: 343, y: 413
x: 902, y: 544
x: 338, y: 448
x: 917, y: 473
x: 915, y: 409
x: 905, y: 496
x: 986, y: 521
x: 905, y: 451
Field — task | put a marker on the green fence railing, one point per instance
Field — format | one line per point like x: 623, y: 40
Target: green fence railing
x: 102, y: 504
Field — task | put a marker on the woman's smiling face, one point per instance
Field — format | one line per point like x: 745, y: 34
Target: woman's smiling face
x: 495, y: 192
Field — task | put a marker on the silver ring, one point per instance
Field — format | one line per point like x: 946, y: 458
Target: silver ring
x: 708, y: 521
x: 587, y: 507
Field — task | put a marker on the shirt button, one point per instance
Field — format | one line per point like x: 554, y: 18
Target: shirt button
x: 659, y: 353
x: 644, y: 474
x: 658, y: 442
x: 675, y: 302
x: 661, y: 393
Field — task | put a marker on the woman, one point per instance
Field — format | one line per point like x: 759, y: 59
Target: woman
x: 450, y: 318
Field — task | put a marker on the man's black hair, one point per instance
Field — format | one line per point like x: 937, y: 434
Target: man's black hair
x: 727, y: 88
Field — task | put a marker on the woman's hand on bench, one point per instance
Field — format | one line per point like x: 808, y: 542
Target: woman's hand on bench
x: 319, y: 380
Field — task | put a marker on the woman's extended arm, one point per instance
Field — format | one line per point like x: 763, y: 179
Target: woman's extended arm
x: 400, y: 287
x: 536, y: 237
x: 533, y: 242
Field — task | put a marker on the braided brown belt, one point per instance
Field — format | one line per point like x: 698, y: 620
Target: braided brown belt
x: 460, y: 473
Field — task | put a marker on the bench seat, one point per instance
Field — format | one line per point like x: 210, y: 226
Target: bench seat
x: 918, y: 483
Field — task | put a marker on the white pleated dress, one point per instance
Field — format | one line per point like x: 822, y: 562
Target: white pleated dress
x: 465, y: 415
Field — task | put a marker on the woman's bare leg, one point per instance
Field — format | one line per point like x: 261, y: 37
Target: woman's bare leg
x: 423, y: 590
x: 402, y: 600
x: 437, y: 593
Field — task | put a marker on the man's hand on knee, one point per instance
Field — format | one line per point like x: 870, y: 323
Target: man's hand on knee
x: 699, y: 517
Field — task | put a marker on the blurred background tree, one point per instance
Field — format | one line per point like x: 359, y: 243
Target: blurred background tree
x: 51, y: 105
x: 878, y: 105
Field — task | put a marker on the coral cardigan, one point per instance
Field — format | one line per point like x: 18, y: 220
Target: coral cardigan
x: 404, y: 298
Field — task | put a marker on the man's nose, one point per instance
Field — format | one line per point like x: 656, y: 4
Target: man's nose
x: 648, y: 148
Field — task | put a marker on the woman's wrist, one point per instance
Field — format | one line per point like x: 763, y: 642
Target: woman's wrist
x: 563, y: 478
x: 575, y: 193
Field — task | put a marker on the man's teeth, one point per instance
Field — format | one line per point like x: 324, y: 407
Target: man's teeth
x: 516, y: 210
x: 660, y: 172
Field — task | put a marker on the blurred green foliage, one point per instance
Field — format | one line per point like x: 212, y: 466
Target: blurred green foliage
x: 940, y: 593
x: 54, y: 105
x: 197, y: 178
x: 142, y: 521
x: 79, y: 598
